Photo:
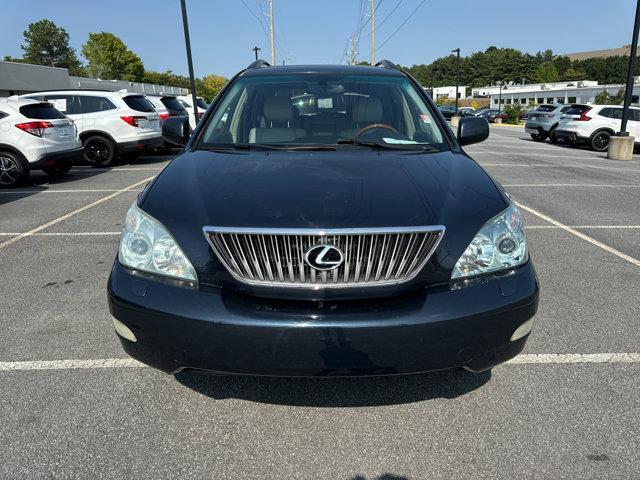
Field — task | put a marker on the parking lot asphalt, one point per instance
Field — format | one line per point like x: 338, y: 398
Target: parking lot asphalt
x: 73, y: 406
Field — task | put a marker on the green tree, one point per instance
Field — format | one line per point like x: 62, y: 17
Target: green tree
x: 572, y: 75
x: 109, y: 58
x: 546, y: 72
x: 605, y: 98
x: 211, y: 85
x: 48, y: 44
x: 513, y: 113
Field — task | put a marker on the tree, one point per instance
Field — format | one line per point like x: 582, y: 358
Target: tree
x: 573, y: 75
x: 605, y: 98
x: 47, y: 44
x: 546, y: 72
x: 211, y: 85
x: 109, y: 58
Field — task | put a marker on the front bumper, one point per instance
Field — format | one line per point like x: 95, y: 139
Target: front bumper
x: 211, y: 329
x: 56, y: 158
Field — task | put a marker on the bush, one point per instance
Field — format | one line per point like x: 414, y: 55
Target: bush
x: 513, y: 113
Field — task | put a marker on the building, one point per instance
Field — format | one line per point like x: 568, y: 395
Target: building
x: 19, y: 78
x: 565, y: 92
x: 529, y: 88
x: 611, y: 52
x: 449, y: 92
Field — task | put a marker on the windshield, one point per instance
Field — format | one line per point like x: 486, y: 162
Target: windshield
x: 319, y: 109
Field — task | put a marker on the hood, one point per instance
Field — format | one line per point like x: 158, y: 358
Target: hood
x: 356, y: 188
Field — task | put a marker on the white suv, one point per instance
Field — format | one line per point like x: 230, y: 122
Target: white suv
x: 595, y: 124
x: 109, y: 123
x: 187, y: 103
x: 34, y: 136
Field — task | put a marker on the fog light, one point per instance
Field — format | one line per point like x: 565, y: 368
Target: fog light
x: 522, y: 330
x: 123, y: 331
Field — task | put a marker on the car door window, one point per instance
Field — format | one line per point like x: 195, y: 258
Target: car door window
x: 67, y: 104
x: 92, y: 104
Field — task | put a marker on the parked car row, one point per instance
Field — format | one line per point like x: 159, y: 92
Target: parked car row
x: 49, y: 130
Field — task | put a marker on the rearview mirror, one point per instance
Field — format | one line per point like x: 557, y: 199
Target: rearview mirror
x: 472, y: 130
x: 176, y: 130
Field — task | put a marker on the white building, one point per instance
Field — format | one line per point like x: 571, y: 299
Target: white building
x: 449, y: 92
x: 561, y: 92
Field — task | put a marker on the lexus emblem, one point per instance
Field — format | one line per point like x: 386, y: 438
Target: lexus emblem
x: 324, y: 257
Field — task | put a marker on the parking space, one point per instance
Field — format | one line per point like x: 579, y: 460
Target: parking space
x: 72, y: 403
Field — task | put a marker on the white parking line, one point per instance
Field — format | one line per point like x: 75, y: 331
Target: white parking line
x: 602, y: 227
x: 523, y: 359
x: 71, y: 214
x: 566, y: 165
x: 62, y: 234
x: 581, y: 235
x: 606, y: 185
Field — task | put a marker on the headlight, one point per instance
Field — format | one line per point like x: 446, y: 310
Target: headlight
x: 500, y: 244
x: 146, y: 245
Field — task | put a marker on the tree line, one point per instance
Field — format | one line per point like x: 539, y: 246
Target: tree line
x: 108, y: 57
x: 510, y: 65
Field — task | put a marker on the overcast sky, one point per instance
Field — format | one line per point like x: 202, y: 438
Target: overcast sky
x: 224, y: 31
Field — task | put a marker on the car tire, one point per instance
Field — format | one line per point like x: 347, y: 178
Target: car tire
x: 14, y: 170
x: 538, y: 137
x: 600, y: 141
x: 58, y: 170
x: 99, y: 151
x: 553, y: 138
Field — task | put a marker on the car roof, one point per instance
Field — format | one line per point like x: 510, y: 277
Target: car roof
x: 322, y: 69
x: 87, y: 92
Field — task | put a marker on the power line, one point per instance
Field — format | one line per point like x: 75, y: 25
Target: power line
x: 257, y: 18
x: 400, y: 26
x: 388, y: 16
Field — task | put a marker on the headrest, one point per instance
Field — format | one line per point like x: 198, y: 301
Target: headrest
x: 367, y: 110
x: 278, y: 109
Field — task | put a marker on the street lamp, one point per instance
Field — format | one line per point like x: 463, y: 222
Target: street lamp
x: 499, y: 83
x: 457, y: 51
x: 630, y: 74
x: 192, y: 78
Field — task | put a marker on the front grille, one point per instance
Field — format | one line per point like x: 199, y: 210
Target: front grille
x: 277, y: 257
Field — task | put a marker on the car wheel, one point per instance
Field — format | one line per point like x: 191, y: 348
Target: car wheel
x: 600, y: 141
x: 553, y: 138
x: 538, y: 137
x: 58, y: 170
x: 99, y: 151
x: 13, y: 170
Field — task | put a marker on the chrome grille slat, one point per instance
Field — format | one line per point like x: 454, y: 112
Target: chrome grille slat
x: 276, y: 257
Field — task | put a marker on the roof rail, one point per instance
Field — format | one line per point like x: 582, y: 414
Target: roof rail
x: 387, y: 64
x: 258, y: 64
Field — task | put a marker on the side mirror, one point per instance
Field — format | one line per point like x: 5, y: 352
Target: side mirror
x: 472, y: 130
x: 176, y: 130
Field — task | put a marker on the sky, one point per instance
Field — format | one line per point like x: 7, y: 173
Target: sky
x: 223, y: 32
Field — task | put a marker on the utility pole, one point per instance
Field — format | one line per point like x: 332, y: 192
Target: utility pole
x: 256, y: 49
x: 457, y: 50
x: 632, y: 65
x: 373, y: 33
x: 352, y: 55
x: 187, y: 42
x: 273, y: 33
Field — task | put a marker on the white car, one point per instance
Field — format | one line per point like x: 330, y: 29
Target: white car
x: 34, y: 136
x: 595, y: 124
x: 187, y: 103
x: 109, y: 123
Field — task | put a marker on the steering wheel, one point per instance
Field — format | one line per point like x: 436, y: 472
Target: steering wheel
x: 375, y: 125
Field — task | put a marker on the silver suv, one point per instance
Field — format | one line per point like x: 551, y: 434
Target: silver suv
x: 543, y: 122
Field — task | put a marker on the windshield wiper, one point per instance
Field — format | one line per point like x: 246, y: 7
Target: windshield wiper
x: 416, y: 147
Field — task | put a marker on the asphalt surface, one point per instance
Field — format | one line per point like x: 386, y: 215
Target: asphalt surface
x: 569, y: 417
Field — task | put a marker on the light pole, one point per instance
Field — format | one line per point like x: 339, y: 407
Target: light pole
x: 457, y: 51
x: 187, y: 42
x: 632, y: 65
x: 499, y: 97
